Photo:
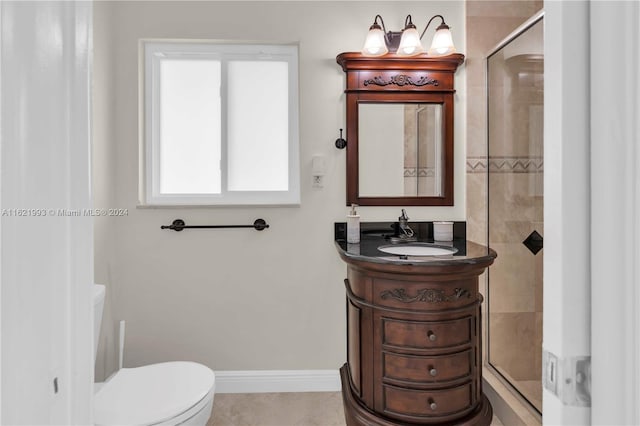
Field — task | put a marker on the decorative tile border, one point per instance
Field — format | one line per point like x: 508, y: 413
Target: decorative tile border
x: 421, y: 172
x: 505, y: 164
x: 476, y: 164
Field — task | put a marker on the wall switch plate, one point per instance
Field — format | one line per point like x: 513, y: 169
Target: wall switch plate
x: 318, y: 169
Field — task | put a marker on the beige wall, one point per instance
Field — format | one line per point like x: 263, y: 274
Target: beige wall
x: 236, y: 299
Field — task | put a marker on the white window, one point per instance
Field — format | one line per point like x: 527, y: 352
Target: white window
x: 220, y: 124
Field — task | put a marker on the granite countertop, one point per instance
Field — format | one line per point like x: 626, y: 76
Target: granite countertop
x: 376, y: 234
x: 367, y: 250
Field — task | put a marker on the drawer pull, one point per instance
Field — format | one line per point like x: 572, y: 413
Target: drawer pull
x: 433, y: 405
x: 433, y: 372
x: 431, y: 335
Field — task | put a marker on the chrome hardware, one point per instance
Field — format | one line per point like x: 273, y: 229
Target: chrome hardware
x: 403, y: 220
x: 433, y: 405
x: 433, y: 372
x: 431, y: 335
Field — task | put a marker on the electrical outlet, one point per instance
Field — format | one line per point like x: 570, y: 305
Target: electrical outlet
x: 317, y: 182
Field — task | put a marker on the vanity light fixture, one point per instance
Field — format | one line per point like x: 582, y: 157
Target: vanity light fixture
x: 407, y: 42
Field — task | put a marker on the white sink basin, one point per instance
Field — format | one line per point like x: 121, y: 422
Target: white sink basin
x: 417, y: 249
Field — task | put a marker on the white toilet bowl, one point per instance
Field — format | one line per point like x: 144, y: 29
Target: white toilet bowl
x: 169, y: 393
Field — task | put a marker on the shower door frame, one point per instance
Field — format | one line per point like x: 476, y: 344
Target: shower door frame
x: 533, y: 20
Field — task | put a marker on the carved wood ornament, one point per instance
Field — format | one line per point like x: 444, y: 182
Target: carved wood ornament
x: 425, y: 295
x: 401, y: 80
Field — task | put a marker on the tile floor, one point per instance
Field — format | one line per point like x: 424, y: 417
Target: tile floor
x: 281, y: 409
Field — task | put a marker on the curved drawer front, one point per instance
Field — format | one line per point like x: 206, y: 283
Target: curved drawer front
x: 426, y: 335
x: 432, y: 369
x: 407, y: 403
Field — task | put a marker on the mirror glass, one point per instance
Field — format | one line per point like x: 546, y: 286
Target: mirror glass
x: 400, y: 149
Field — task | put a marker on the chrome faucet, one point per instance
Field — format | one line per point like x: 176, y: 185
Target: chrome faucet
x: 407, y: 232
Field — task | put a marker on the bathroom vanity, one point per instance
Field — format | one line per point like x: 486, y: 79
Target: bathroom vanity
x: 414, y: 352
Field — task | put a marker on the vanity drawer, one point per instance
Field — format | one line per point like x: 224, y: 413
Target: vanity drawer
x: 427, y: 334
x: 431, y: 369
x: 409, y: 403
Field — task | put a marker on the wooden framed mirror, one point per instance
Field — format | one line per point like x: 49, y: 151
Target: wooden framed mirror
x: 399, y: 129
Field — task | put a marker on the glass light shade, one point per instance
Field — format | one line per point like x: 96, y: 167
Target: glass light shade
x: 410, y: 44
x: 442, y: 43
x: 374, y: 44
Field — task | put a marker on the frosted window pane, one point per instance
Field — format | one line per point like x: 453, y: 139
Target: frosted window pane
x: 190, y: 127
x: 258, y: 126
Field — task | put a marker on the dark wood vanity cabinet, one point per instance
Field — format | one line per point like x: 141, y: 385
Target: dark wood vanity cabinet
x: 414, y: 351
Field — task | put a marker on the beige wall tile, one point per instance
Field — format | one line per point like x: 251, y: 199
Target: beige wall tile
x: 539, y: 280
x: 515, y: 9
x: 477, y: 207
x: 476, y: 123
x: 512, y: 280
x: 514, y: 346
x: 513, y: 208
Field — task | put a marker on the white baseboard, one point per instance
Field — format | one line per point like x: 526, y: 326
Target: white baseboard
x: 261, y: 381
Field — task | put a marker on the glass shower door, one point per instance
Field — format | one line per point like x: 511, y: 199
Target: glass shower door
x: 515, y: 90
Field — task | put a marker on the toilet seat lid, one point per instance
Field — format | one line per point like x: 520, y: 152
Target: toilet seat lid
x: 152, y: 394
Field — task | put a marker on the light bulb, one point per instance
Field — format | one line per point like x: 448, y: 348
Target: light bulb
x: 374, y: 44
x: 410, y: 44
x: 442, y: 43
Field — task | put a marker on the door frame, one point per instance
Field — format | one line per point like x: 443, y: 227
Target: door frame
x: 615, y: 212
x: 592, y: 204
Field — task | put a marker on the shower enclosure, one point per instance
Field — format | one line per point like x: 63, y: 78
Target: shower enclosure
x: 515, y: 90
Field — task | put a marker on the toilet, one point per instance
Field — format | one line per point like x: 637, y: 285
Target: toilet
x: 163, y: 394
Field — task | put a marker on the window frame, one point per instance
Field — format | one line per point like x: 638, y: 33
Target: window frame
x: 152, y: 51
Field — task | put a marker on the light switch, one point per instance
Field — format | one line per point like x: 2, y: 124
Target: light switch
x: 318, y: 169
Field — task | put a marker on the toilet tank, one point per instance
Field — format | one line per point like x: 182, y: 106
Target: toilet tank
x: 98, y: 307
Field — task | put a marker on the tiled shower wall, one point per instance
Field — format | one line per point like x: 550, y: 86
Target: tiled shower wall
x: 515, y: 311
x: 421, y: 132
x: 488, y: 23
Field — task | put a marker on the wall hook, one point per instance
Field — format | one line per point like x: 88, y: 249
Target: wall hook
x: 340, y: 142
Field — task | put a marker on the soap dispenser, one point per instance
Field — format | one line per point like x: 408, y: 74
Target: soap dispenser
x: 353, y: 226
